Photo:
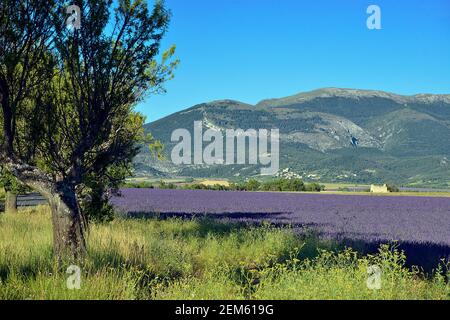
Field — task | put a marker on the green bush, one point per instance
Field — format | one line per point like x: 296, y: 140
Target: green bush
x: 392, y: 188
x: 138, y: 185
x: 280, y: 184
x: 314, y: 187
x: 253, y: 185
x: 165, y: 185
x: 200, y: 186
x: 10, y: 183
x: 290, y: 185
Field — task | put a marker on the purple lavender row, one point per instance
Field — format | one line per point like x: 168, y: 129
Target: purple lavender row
x: 370, y: 218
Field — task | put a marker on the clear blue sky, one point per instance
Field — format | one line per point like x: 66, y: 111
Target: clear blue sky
x: 249, y: 50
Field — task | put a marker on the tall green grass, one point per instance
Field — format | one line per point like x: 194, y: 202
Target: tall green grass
x: 198, y: 259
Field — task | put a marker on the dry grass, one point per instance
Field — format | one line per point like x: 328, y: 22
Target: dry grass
x: 215, y: 182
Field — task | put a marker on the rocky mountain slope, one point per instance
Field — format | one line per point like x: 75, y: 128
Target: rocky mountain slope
x: 401, y: 139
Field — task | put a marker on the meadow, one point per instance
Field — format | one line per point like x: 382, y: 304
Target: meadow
x: 200, y: 258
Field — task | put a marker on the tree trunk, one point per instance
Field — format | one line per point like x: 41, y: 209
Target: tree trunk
x: 68, y: 225
x: 11, y: 202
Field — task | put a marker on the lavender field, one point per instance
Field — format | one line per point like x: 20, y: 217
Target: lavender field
x: 421, y: 220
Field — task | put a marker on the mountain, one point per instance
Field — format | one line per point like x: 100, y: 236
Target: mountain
x: 401, y: 139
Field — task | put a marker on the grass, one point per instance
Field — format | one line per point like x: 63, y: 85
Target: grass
x: 336, y: 185
x: 198, y: 259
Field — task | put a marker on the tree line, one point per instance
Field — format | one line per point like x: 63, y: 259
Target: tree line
x: 69, y: 128
x: 280, y: 184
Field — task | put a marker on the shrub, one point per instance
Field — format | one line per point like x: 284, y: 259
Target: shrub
x: 392, y: 188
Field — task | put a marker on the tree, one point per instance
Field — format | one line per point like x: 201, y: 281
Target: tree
x: 85, y: 132
x: 8, y: 183
x: 24, y: 35
x: 12, y: 188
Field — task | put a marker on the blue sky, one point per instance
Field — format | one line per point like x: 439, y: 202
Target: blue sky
x: 249, y: 50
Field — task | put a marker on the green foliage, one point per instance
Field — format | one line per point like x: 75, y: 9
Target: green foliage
x: 200, y: 186
x: 138, y: 185
x: 314, y: 187
x: 294, y: 185
x: 95, y: 194
x: 290, y: 185
x: 200, y: 259
x: 393, y: 188
x: 80, y: 134
x: 155, y: 146
x: 10, y: 183
x: 165, y: 185
x: 253, y: 185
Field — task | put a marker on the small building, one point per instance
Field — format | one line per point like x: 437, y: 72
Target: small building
x: 379, y: 189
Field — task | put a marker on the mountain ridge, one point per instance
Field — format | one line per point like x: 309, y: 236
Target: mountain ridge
x: 355, y: 93
x: 402, y: 139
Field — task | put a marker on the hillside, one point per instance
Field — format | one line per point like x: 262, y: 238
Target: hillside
x: 402, y: 139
